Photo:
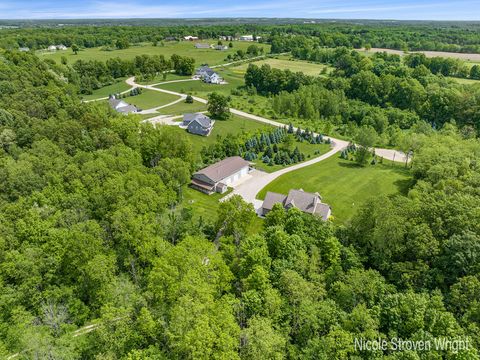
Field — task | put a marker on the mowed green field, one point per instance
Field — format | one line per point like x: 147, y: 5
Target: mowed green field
x: 198, y: 87
x: 342, y: 184
x: 105, y: 91
x: 150, y: 99
x: 183, y: 48
x: 182, y: 108
x: 283, y: 64
x: 235, y: 125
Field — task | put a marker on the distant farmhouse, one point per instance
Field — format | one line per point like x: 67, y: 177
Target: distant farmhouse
x: 249, y: 38
x: 310, y: 203
x: 121, y: 106
x: 198, y: 124
x: 220, y: 47
x: 217, y: 177
x: 208, y: 75
x: 202, y: 46
x: 190, y: 38
x: 226, y: 38
x: 57, y: 47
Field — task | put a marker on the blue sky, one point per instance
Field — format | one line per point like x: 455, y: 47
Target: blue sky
x: 400, y: 10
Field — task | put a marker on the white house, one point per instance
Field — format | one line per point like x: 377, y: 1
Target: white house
x: 249, y: 38
x: 190, y: 38
x: 61, y: 47
x: 217, y: 177
x: 208, y: 75
x: 121, y: 106
x: 52, y: 48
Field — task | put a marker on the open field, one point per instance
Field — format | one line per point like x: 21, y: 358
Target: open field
x: 149, y: 99
x: 184, y: 48
x: 115, y: 88
x: 461, y: 56
x: 465, y: 81
x: 182, y: 108
x: 196, y: 87
x: 342, y: 184
x: 234, y: 125
x: 284, y: 64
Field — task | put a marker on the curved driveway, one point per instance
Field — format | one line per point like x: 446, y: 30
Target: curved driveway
x: 249, y: 189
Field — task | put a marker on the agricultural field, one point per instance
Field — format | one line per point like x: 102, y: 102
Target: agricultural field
x: 284, y: 63
x: 183, y: 48
x: 343, y: 184
x: 105, y: 91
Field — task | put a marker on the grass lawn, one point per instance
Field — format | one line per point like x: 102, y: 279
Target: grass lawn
x: 150, y: 98
x: 206, y: 206
x: 342, y: 184
x: 182, y: 107
x: 199, y: 88
x: 115, y: 88
x: 234, y: 125
x: 284, y: 63
x: 184, y: 48
x: 310, y: 151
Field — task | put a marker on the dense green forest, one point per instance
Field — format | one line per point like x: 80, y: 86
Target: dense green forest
x: 381, y: 91
x: 94, y: 229
x: 438, y: 36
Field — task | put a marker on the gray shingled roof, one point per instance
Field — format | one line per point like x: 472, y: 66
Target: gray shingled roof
x: 323, y: 210
x: 273, y: 198
x: 201, y: 118
x: 307, y: 202
x: 223, y: 168
x: 303, y: 200
x: 204, y: 121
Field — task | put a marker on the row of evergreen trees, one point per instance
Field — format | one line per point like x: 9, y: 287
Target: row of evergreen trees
x: 351, y: 153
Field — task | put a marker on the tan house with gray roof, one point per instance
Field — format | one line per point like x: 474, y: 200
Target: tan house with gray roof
x: 217, y: 177
x: 310, y: 203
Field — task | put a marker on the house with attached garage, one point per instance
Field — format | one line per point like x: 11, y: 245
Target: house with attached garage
x: 310, y: 203
x: 217, y: 177
x: 121, y: 106
x: 198, y: 124
x: 208, y: 75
